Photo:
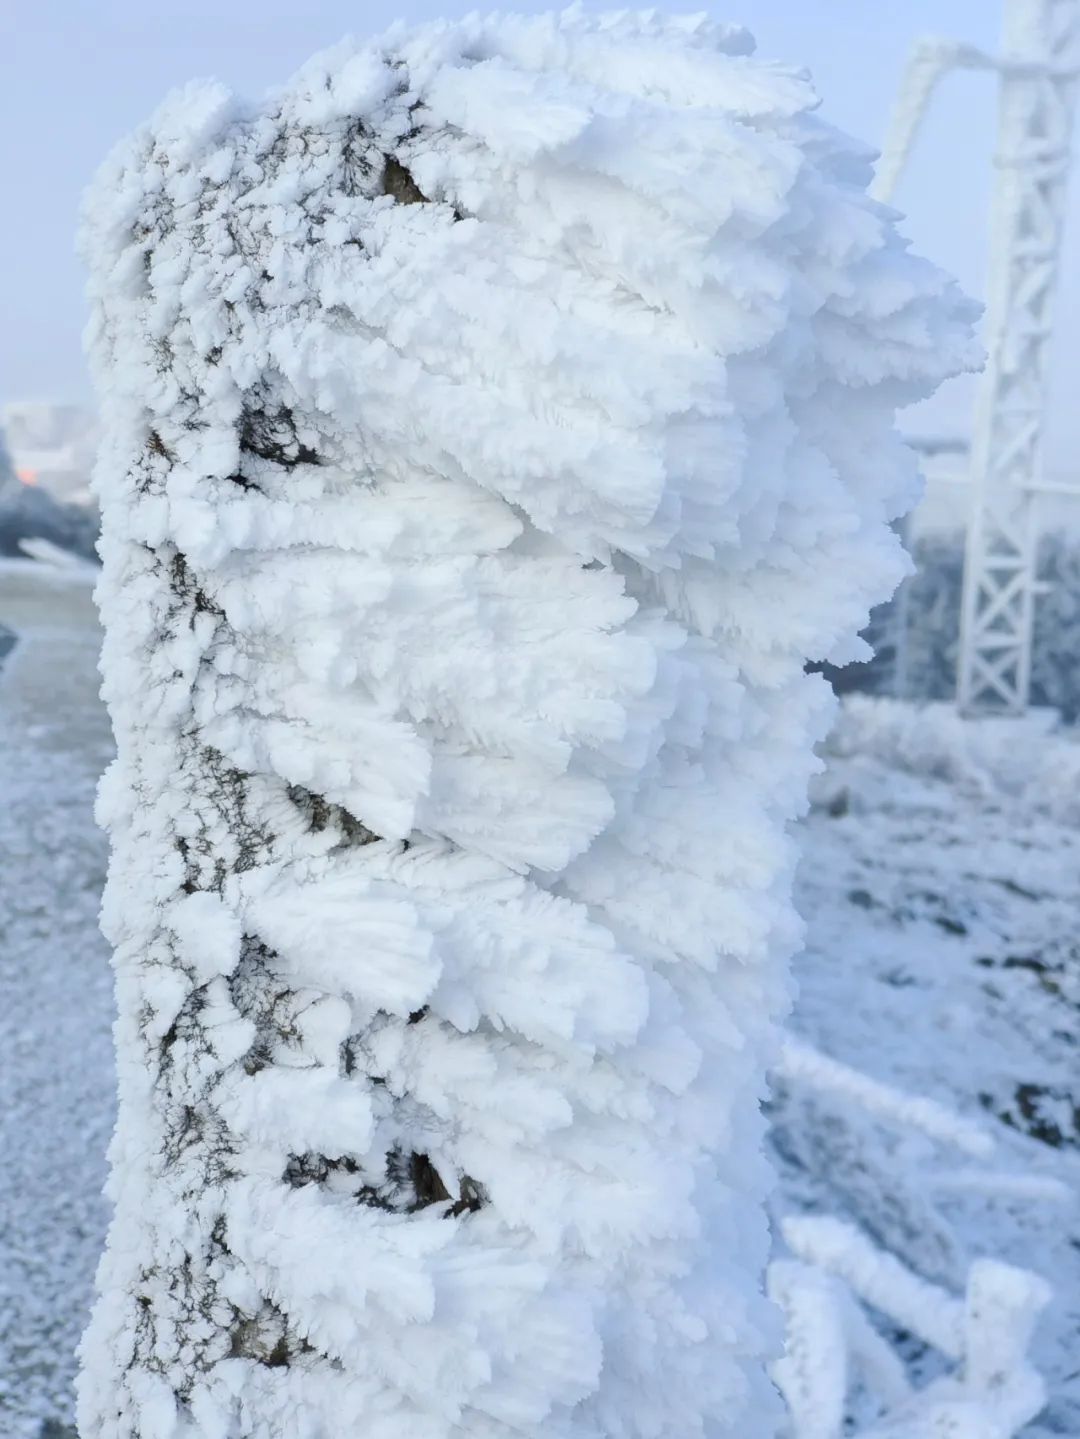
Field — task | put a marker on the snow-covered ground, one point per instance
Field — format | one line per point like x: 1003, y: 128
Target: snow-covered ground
x: 943, y: 956
x: 55, y: 1044
x: 940, y: 886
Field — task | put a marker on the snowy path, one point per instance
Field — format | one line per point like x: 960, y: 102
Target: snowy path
x: 56, y: 1105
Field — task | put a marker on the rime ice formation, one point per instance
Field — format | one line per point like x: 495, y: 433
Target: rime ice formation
x: 496, y: 420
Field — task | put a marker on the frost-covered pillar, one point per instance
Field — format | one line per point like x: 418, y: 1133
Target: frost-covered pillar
x: 496, y: 421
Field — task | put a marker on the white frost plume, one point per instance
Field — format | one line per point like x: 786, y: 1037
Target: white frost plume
x: 496, y: 421
x: 803, y: 1065
x: 836, y: 1364
x: 993, y: 1391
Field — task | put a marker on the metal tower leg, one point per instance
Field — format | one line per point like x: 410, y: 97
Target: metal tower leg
x: 1038, y: 98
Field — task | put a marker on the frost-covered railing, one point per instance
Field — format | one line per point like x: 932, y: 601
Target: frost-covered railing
x: 496, y: 420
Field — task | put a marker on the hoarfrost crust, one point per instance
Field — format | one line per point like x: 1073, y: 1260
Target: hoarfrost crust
x: 496, y: 420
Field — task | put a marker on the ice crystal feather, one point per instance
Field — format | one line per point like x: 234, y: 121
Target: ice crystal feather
x: 497, y: 419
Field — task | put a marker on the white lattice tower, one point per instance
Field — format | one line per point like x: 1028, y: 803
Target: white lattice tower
x: 1038, y: 87
x: 1038, y: 97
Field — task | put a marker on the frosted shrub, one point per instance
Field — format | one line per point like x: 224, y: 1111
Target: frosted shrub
x: 497, y: 419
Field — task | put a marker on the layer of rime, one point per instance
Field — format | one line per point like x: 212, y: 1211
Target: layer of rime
x: 496, y: 421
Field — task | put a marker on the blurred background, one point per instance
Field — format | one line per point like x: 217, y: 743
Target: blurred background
x: 940, y: 883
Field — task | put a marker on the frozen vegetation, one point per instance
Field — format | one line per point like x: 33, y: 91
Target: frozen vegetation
x: 495, y: 422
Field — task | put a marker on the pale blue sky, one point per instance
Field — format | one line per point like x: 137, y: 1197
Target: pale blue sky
x: 76, y: 74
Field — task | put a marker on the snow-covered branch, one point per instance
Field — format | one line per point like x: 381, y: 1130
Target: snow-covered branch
x: 833, y: 1349
x: 993, y: 1391
x: 804, y: 1065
